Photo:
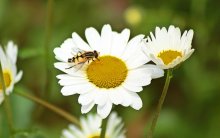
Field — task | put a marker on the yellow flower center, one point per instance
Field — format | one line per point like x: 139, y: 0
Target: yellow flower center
x: 7, y: 79
x: 107, y: 72
x: 169, y: 55
x: 94, y: 137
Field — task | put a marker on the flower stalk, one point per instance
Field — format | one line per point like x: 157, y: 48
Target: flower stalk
x: 49, y: 106
x: 7, y: 105
x: 103, y: 127
x: 160, y: 103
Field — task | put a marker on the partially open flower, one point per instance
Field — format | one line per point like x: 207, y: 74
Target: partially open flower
x: 115, y: 74
x: 8, y: 61
x: 168, y: 48
x: 90, y: 128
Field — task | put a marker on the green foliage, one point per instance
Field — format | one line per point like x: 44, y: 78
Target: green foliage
x: 191, y: 108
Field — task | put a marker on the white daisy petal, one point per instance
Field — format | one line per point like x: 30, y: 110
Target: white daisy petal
x: 68, y: 134
x: 75, y: 131
x: 119, y: 42
x: 62, y: 55
x: 106, y: 39
x: 3, y: 58
x: 127, y: 99
x: 86, y: 98
x: 12, y: 51
x: 131, y: 87
x: 132, y: 46
x: 116, y: 96
x: 18, y: 76
x: 85, y: 126
x: 81, y: 44
x: 65, y: 51
x: 86, y: 108
x: 65, y: 67
x: 101, y: 97
x: 142, y: 76
x: 137, y: 102
x: 70, y: 80
x: 93, y: 38
x: 104, y: 110
x: 76, y: 89
x: 188, y: 54
x: 138, y: 60
x: 152, y: 70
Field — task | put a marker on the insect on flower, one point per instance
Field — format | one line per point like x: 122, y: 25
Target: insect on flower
x: 115, y: 79
x: 83, y: 57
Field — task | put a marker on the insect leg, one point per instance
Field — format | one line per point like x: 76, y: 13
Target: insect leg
x: 70, y: 67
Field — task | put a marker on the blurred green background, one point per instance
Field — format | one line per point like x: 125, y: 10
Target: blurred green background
x: 192, y: 106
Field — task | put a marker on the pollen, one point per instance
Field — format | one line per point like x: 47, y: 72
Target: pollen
x: 107, y: 72
x: 7, y: 79
x: 169, y: 55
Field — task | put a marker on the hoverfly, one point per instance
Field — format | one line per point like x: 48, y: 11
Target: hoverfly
x: 83, y: 57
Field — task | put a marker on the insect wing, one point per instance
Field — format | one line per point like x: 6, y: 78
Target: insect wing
x: 76, y: 51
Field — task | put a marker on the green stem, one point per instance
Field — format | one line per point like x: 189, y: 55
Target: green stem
x: 53, y: 108
x: 47, y: 49
x: 103, y: 127
x: 160, y: 103
x: 7, y: 105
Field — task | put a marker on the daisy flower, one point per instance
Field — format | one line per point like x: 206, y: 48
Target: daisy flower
x: 90, y: 128
x: 8, y: 61
x: 168, y: 48
x: 114, y: 77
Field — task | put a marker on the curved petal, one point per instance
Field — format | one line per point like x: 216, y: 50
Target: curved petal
x: 119, y: 42
x: 18, y: 76
x: 86, y: 108
x: 116, y: 96
x: 132, y: 87
x: 12, y: 51
x: 101, y: 97
x: 81, y: 44
x: 127, y: 100
x: 3, y: 59
x: 86, y: 98
x: 106, y: 39
x: 65, y: 67
x: 151, y: 70
x: 104, y: 110
x: 93, y: 38
x: 68, y: 134
x: 76, y: 89
x: 136, y: 102
x: 65, y: 51
x: 136, y: 60
x: 132, y: 47
x: 76, y: 132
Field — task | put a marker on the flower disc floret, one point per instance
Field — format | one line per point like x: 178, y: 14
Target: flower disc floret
x: 168, y: 56
x: 7, y: 79
x: 107, y: 72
